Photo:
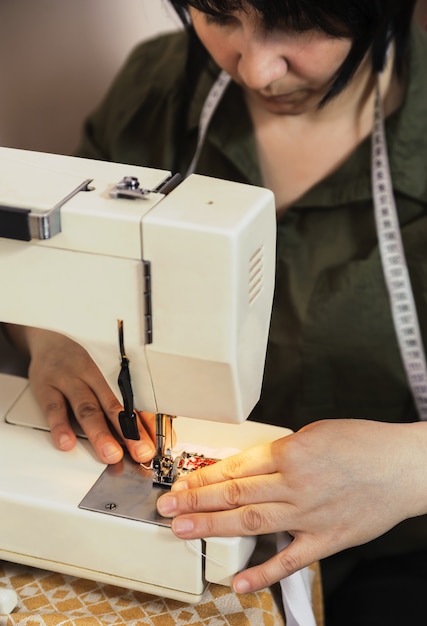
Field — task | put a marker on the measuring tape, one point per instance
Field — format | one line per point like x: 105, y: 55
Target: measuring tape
x: 395, y: 269
x: 209, y: 108
x: 393, y: 259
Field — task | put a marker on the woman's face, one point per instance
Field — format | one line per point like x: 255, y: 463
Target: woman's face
x: 287, y: 73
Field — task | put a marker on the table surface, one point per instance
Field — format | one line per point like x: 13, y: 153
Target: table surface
x: 51, y: 599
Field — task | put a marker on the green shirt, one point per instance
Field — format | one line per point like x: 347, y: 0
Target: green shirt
x: 332, y: 349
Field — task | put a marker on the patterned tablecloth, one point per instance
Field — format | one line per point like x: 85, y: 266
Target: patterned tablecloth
x: 51, y: 599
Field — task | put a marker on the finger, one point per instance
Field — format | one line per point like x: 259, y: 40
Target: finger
x: 55, y: 410
x: 88, y: 414
x: 301, y: 552
x: 257, y: 519
x: 142, y: 450
x: 271, y: 571
x: 91, y: 411
x: 91, y: 418
x: 255, y: 461
x: 223, y: 496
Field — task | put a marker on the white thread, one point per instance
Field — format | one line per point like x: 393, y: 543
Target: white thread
x: 193, y: 548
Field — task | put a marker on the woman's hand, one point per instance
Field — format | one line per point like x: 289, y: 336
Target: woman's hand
x: 332, y: 485
x: 63, y: 377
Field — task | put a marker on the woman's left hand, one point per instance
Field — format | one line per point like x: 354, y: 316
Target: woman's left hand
x: 332, y: 485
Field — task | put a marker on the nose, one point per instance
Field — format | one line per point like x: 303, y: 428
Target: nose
x: 260, y: 64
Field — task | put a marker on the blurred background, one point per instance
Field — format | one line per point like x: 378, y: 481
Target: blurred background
x: 58, y: 57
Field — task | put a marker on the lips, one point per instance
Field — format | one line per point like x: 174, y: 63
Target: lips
x: 277, y: 100
x: 284, y: 97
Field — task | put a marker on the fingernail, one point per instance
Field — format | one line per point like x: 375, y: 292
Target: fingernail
x: 64, y: 441
x: 166, y: 505
x: 111, y: 453
x: 182, y: 526
x: 143, y: 451
x: 241, y: 586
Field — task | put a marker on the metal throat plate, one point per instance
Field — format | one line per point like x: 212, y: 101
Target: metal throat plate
x: 126, y: 489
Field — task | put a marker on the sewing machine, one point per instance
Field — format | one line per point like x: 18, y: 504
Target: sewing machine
x: 185, y: 272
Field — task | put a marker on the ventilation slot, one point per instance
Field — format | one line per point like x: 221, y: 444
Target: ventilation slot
x: 256, y: 274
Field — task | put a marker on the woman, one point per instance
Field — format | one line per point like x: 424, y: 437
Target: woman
x: 297, y: 116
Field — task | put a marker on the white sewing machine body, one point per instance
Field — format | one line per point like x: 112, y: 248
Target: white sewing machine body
x: 210, y: 246
x: 195, y: 338
x: 42, y: 525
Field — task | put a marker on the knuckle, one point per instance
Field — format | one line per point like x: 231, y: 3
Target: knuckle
x: 233, y: 467
x: 288, y: 563
x: 192, y: 500
x: 265, y: 579
x: 53, y: 407
x: 199, y: 478
x: 86, y: 411
x: 251, y: 519
x: 233, y: 493
x: 210, y: 526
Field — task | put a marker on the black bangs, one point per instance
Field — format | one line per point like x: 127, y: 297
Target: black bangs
x: 334, y: 17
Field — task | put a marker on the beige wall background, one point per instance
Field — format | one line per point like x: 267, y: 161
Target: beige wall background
x: 57, y: 58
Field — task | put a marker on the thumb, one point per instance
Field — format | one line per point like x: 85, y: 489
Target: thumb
x: 289, y: 559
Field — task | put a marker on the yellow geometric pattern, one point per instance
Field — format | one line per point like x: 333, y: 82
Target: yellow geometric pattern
x: 50, y: 599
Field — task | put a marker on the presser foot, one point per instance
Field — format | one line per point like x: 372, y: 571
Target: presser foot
x: 167, y: 469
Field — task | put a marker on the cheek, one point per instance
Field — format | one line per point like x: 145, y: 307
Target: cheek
x: 333, y: 56
x: 321, y: 62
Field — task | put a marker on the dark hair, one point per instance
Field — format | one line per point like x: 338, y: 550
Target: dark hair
x: 371, y: 24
